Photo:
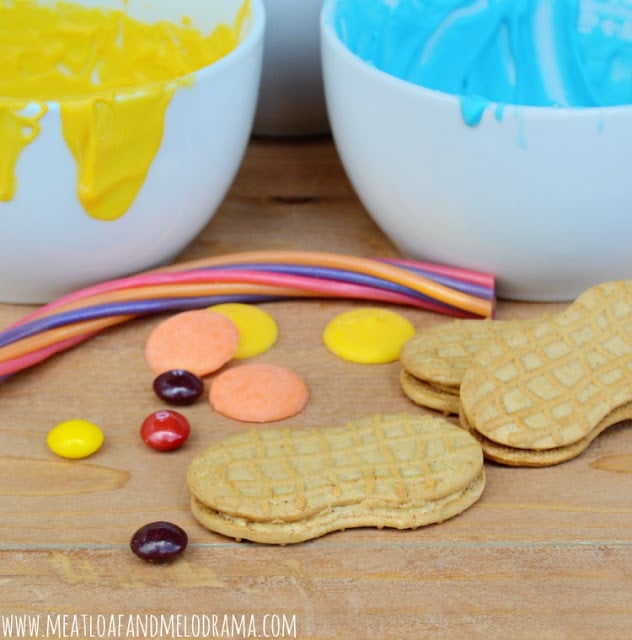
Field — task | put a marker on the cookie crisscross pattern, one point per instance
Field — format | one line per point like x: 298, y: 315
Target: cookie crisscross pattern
x: 443, y: 353
x: 550, y: 383
x: 289, y: 474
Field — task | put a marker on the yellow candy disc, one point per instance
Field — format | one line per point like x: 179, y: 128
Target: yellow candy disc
x: 368, y: 335
x: 257, y: 329
x: 74, y: 439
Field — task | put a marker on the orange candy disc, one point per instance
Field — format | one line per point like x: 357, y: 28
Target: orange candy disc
x: 199, y: 341
x: 258, y: 392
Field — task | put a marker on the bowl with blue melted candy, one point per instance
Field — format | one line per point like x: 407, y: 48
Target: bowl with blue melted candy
x: 494, y: 134
x: 122, y: 126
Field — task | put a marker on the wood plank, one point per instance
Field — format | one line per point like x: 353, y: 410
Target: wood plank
x: 345, y: 589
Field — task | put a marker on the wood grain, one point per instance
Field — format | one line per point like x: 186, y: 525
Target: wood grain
x: 546, y: 553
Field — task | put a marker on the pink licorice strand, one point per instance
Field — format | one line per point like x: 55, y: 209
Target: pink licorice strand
x: 310, y: 288
x: 379, y: 295
x: 150, y: 278
x: 378, y: 268
x: 158, y: 280
x: 29, y: 359
x: 119, y: 284
x: 160, y: 276
x: 458, y: 273
x: 101, y: 288
x: 35, y: 357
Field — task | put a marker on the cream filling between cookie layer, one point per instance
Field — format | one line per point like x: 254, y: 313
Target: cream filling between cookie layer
x: 362, y: 514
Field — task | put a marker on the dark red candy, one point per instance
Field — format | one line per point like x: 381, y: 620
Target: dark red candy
x: 178, y: 387
x: 159, y: 541
x: 165, y: 430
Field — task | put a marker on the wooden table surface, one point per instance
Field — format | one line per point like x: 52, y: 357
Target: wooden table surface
x: 545, y: 553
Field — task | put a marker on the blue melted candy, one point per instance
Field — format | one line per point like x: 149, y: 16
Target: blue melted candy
x: 552, y: 53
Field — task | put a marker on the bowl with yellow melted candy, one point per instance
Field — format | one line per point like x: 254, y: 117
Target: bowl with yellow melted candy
x: 122, y: 126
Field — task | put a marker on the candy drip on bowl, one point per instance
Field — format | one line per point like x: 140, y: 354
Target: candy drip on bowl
x: 123, y: 125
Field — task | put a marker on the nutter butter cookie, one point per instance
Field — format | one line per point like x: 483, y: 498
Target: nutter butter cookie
x: 431, y: 395
x: 434, y: 361
x: 539, y: 394
x: 282, y: 486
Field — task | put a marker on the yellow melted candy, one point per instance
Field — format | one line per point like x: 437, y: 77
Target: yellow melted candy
x: 113, y: 77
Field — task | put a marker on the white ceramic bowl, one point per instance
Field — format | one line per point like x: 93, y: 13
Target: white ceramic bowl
x: 49, y: 245
x: 542, y: 198
x: 291, y: 99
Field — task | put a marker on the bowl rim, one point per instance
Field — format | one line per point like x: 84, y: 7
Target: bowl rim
x: 330, y: 37
x: 254, y: 38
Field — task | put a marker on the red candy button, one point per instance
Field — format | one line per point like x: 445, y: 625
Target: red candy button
x: 165, y: 430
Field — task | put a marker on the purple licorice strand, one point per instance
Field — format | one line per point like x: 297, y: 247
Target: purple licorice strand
x: 130, y: 307
x: 133, y: 307
x: 341, y: 275
x: 136, y: 308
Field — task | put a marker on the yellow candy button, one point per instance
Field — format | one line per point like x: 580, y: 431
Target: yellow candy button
x: 74, y: 439
x: 257, y: 329
x: 368, y: 335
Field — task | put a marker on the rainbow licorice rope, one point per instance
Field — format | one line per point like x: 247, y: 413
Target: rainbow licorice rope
x: 255, y: 276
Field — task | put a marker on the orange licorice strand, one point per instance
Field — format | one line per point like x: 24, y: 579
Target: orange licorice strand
x: 399, y: 275
x: 52, y: 336
x: 181, y: 290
